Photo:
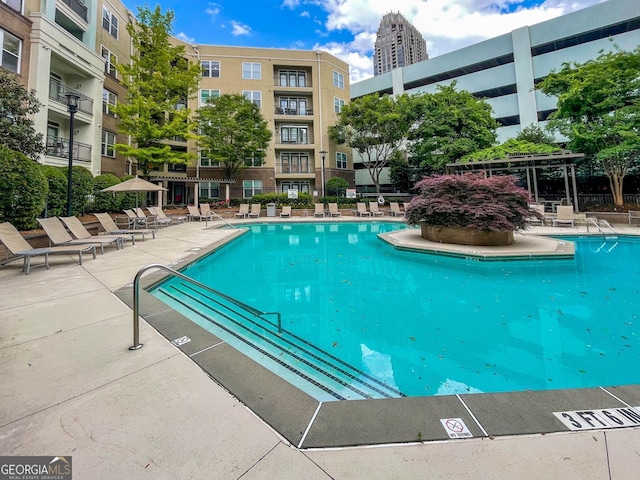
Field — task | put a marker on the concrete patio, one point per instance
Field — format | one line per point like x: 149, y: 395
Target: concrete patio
x: 71, y: 387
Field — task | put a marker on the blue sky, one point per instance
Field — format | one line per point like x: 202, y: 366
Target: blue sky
x: 347, y: 28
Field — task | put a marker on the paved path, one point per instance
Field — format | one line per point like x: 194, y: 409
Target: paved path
x: 70, y: 386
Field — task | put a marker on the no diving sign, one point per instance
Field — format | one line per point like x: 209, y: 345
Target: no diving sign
x: 455, y: 428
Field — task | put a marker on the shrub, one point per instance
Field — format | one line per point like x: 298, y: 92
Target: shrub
x: 23, y: 189
x: 57, y: 195
x: 128, y: 200
x: 106, y: 201
x: 82, y: 189
x: 495, y: 203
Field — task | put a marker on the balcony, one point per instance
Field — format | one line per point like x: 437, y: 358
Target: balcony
x: 59, y: 147
x: 77, y: 6
x: 57, y: 93
x: 305, y: 112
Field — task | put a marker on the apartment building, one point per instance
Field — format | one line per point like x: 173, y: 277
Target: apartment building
x: 504, y: 70
x: 15, y: 30
x: 63, y: 63
x: 299, y: 94
x: 398, y: 44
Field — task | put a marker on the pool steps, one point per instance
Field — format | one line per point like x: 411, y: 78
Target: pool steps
x: 259, y: 339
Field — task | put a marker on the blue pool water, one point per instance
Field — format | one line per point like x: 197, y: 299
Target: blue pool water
x: 394, y: 323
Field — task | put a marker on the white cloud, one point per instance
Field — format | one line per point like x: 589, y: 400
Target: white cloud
x: 213, y: 10
x: 447, y: 25
x: 239, y: 29
x: 183, y: 36
x: 290, y: 3
x: 305, y: 14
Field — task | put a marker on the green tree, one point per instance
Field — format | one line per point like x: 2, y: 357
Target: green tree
x: 536, y: 134
x: 510, y: 147
x: 449, y: 124
x: 337, y: 185
x: 16, y: 127
x: 159, y: 82
x: 23, y: 189
x: 375, y: 127
x: 232, y: 132
x: 106, y: 201
x: 599, y: 111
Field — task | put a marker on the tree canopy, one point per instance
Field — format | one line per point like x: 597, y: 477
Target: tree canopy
x: 449, y: 124
x: 510, y: 147
x: 159, y: 82
x: 599, y: 111
x: 16, y: 126
x: 375, y: 127
x: 232, y: 132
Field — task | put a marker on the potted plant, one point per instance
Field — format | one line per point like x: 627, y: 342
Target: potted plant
x: 469, y: 209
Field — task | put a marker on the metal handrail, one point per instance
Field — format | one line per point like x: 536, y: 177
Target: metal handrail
x: 136, y: 300
x: 596, y: 222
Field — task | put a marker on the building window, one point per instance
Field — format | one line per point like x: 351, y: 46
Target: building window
x: 338, y: 80
x: 251, y: 71
x: 210, y: 69
x: 109, y: 22
x: 209, y: 190
x: 110, y: 61
x: 341, y: 160
x: 293, y: 106
x: 206, y: 94
x: 14, y: 4
x: 251, y: 188
x: 11, y: 48
x: 294, y: 163
x: 253, y: 162
x: 297, y: 135
x: 337, y: 104
x: 109, y: 100
x: 253, y: 96
x: 293, y: 78
x: 297, y: 186
x: 108, y: 141
x: 206, y: 161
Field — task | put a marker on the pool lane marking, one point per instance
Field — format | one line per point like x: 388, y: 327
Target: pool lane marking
x: 313, y: 419
x: 472, y: 415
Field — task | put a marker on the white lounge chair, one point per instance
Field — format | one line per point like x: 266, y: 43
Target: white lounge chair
x: 286, y: 211
x: 255, y: 210
x: 244, y: 211
x: 18, y: 246
x: 333, y: 210
x: 362, y: 210
x: 564, y: 216
x: 319, y: 210
x: 375, y: 211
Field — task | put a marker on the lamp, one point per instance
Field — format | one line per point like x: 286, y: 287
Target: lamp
x: 72, y: 105
x: 323, y: 153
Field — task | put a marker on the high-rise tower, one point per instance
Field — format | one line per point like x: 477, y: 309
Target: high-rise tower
x: 398, y: 44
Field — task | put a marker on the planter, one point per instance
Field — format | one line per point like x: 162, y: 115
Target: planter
x: 466, y: 236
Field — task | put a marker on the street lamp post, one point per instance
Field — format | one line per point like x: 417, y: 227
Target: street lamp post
x: 72, y: 105
x: 323, y: 153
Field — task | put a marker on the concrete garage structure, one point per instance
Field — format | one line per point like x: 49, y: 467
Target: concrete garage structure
x: 505, y: 69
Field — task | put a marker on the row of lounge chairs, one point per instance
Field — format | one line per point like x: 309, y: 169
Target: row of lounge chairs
x: 137, y: 218
x: 361, y: 210
x: 67, y: 235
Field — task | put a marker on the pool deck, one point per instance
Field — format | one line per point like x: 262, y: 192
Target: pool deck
x: 72, y: 387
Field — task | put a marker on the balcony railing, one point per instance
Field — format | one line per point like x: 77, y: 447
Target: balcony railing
x: 78, y: 7
x: 59, y: 147
x: 294, y: 111
x: 295, y: 141
x: 57, y: 92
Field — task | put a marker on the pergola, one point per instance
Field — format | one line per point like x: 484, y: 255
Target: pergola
x: 530, y: 163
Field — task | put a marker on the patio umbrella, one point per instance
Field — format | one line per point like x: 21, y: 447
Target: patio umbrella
x: 134, y: 185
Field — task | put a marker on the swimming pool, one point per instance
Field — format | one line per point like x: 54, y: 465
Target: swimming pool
x: 362, y: 320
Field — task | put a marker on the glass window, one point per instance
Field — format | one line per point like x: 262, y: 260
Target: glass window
x: 254, y: 96
x: 297, y: 135
x: 251, y: 188
x: 206, y: 161
x: 109, y: 100
x: 253, y: 162
x: 206, y: 94
x: 11, y: 48
x: 108, y: 141
x: 337, y: 104
x: 293, y: 78
x: 338, y: 80
x: 110, y: 61
x: 294, y: 162
x: 341, y: 160
x: 209, y: 190
x: 210, y: 68
x: 109, y: 22
x: 251, y: 71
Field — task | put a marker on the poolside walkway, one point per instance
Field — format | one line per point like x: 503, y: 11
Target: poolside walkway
x: 70, y: 386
